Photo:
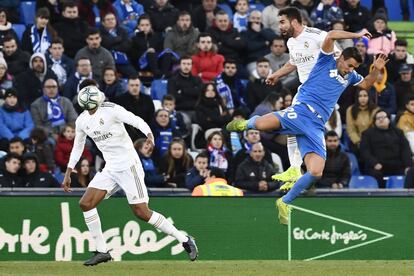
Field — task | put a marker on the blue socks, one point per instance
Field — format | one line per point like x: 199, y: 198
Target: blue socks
x: 303, y: 183
x: 252, y: 122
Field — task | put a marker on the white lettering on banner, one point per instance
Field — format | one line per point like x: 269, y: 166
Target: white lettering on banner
x: 10, y: 240
x: 332, y: 237
x: 35, y: 239
x: 132, y: 240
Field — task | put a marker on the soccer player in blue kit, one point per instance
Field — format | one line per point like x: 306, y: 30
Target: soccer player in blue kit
x: 315, y: 103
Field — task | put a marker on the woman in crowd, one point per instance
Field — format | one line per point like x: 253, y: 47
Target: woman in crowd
x: 37, y: 38
x: 211, y: 112
x: 175, y: 163
x: 82, y: 174
x: 359, y: 117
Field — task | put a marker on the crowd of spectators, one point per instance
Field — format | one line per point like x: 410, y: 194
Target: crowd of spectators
x: 214, y: 56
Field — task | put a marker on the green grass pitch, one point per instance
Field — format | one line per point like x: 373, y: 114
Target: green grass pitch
x: 256, y: 268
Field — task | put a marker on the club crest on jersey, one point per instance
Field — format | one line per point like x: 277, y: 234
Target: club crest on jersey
x: 101, y: 122
x: 334, y: 74
x: 306, y: 44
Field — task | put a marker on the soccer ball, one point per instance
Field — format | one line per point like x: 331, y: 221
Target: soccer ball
x: 90, y: 97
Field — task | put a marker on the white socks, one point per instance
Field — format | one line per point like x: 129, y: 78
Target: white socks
x: 293, y: 151
x: 161, y: 223
x: 94, y: 225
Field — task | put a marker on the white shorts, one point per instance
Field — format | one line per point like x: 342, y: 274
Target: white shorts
x: 131, y: 181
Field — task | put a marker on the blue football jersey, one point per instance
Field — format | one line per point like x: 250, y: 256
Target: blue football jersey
x: 325, y: 85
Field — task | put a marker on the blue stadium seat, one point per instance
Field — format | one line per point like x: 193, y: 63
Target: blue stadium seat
x: 363, y: 182
x: 227, y: 9
x: 27, y: 12
x: 395, y: 182
x: 158, y: 89
x: 257, y: 6
x: 354, y: 164
x: 19, y: 29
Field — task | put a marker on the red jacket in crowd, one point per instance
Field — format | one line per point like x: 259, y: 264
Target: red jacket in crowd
x: 62, y: 152
x: 209, y: 64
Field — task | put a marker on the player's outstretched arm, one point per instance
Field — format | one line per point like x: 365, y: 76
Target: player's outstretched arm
x: 286, y: 69
x: 379, y: 63
x: 329, y: 42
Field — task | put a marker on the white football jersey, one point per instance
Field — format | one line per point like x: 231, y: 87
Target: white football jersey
x: 304, y: 50
x: 106, y: 128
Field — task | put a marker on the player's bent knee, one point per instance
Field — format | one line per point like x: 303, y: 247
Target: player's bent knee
x: 85, y: 205
x: 142, y: 211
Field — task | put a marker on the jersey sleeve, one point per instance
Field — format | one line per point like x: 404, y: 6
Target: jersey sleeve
x: 356, y: 78
x: 324, y: 58
x: 127, y: 117
x: 78, y: 144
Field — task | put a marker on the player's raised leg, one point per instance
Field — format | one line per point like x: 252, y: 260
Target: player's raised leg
x: 142, y: 211
x: 266, y: 122
x: 315, y: 165
x: 88, y: 204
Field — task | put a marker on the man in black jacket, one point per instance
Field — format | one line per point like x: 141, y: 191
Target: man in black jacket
x: 337, y: 171
x: 356, y: 16
x: 203, y: 16
x: 116, y: 40
x: 384, y: 149
x: 255, y: 173
x: 72, y: 28
x: 9, y: 177
x: 33, y: 177
x: 136, y: 102
x: 185, y: 87
x: 29, y: 83
x: 399, y: 57
x: 257, y: 90
x: 17, y: 60
x: 228, y: 39
x: 404, y: 86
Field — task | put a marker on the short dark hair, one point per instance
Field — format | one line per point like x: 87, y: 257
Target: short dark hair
x: 409, y: 99
x: 144, y: 17
x: 133, y: 77
x: 12, y: 155
x: 43, y: 13
x: 8, y: 38
x: 204, y: 35
x: 81, y: 58
x: 291, y: 13
x: 49, y: 78
x: 68, y: 4
x: 203, y: 154
x: 278, y: 38
x: 229, y: 61
x: 352, y: 52
x: 93, y: 31
x: 16, y: 140
x: 219, y: 173
x: 185, y: 57
x: 183, y: 13
x: 401, y: 42
x: 88, y: 82
x: 168, y: 97
x: 331, y: 133
x: 261, y: 60
x: 56, y: 40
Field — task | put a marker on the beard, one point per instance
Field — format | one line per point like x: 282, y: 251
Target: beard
x: 288, y: 33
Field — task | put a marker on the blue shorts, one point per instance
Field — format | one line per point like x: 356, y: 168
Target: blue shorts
x: 308, y: 128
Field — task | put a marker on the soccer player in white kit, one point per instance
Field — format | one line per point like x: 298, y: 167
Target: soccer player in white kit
x: 123, y: 170
x: 304, y: 45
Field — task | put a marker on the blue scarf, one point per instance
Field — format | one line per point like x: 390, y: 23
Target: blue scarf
x: 225, y: 92
x: 54, y: 111
x: 218, y: 158
x: 163, y: 141
x: 97, y: 13
x: 39, y: 44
